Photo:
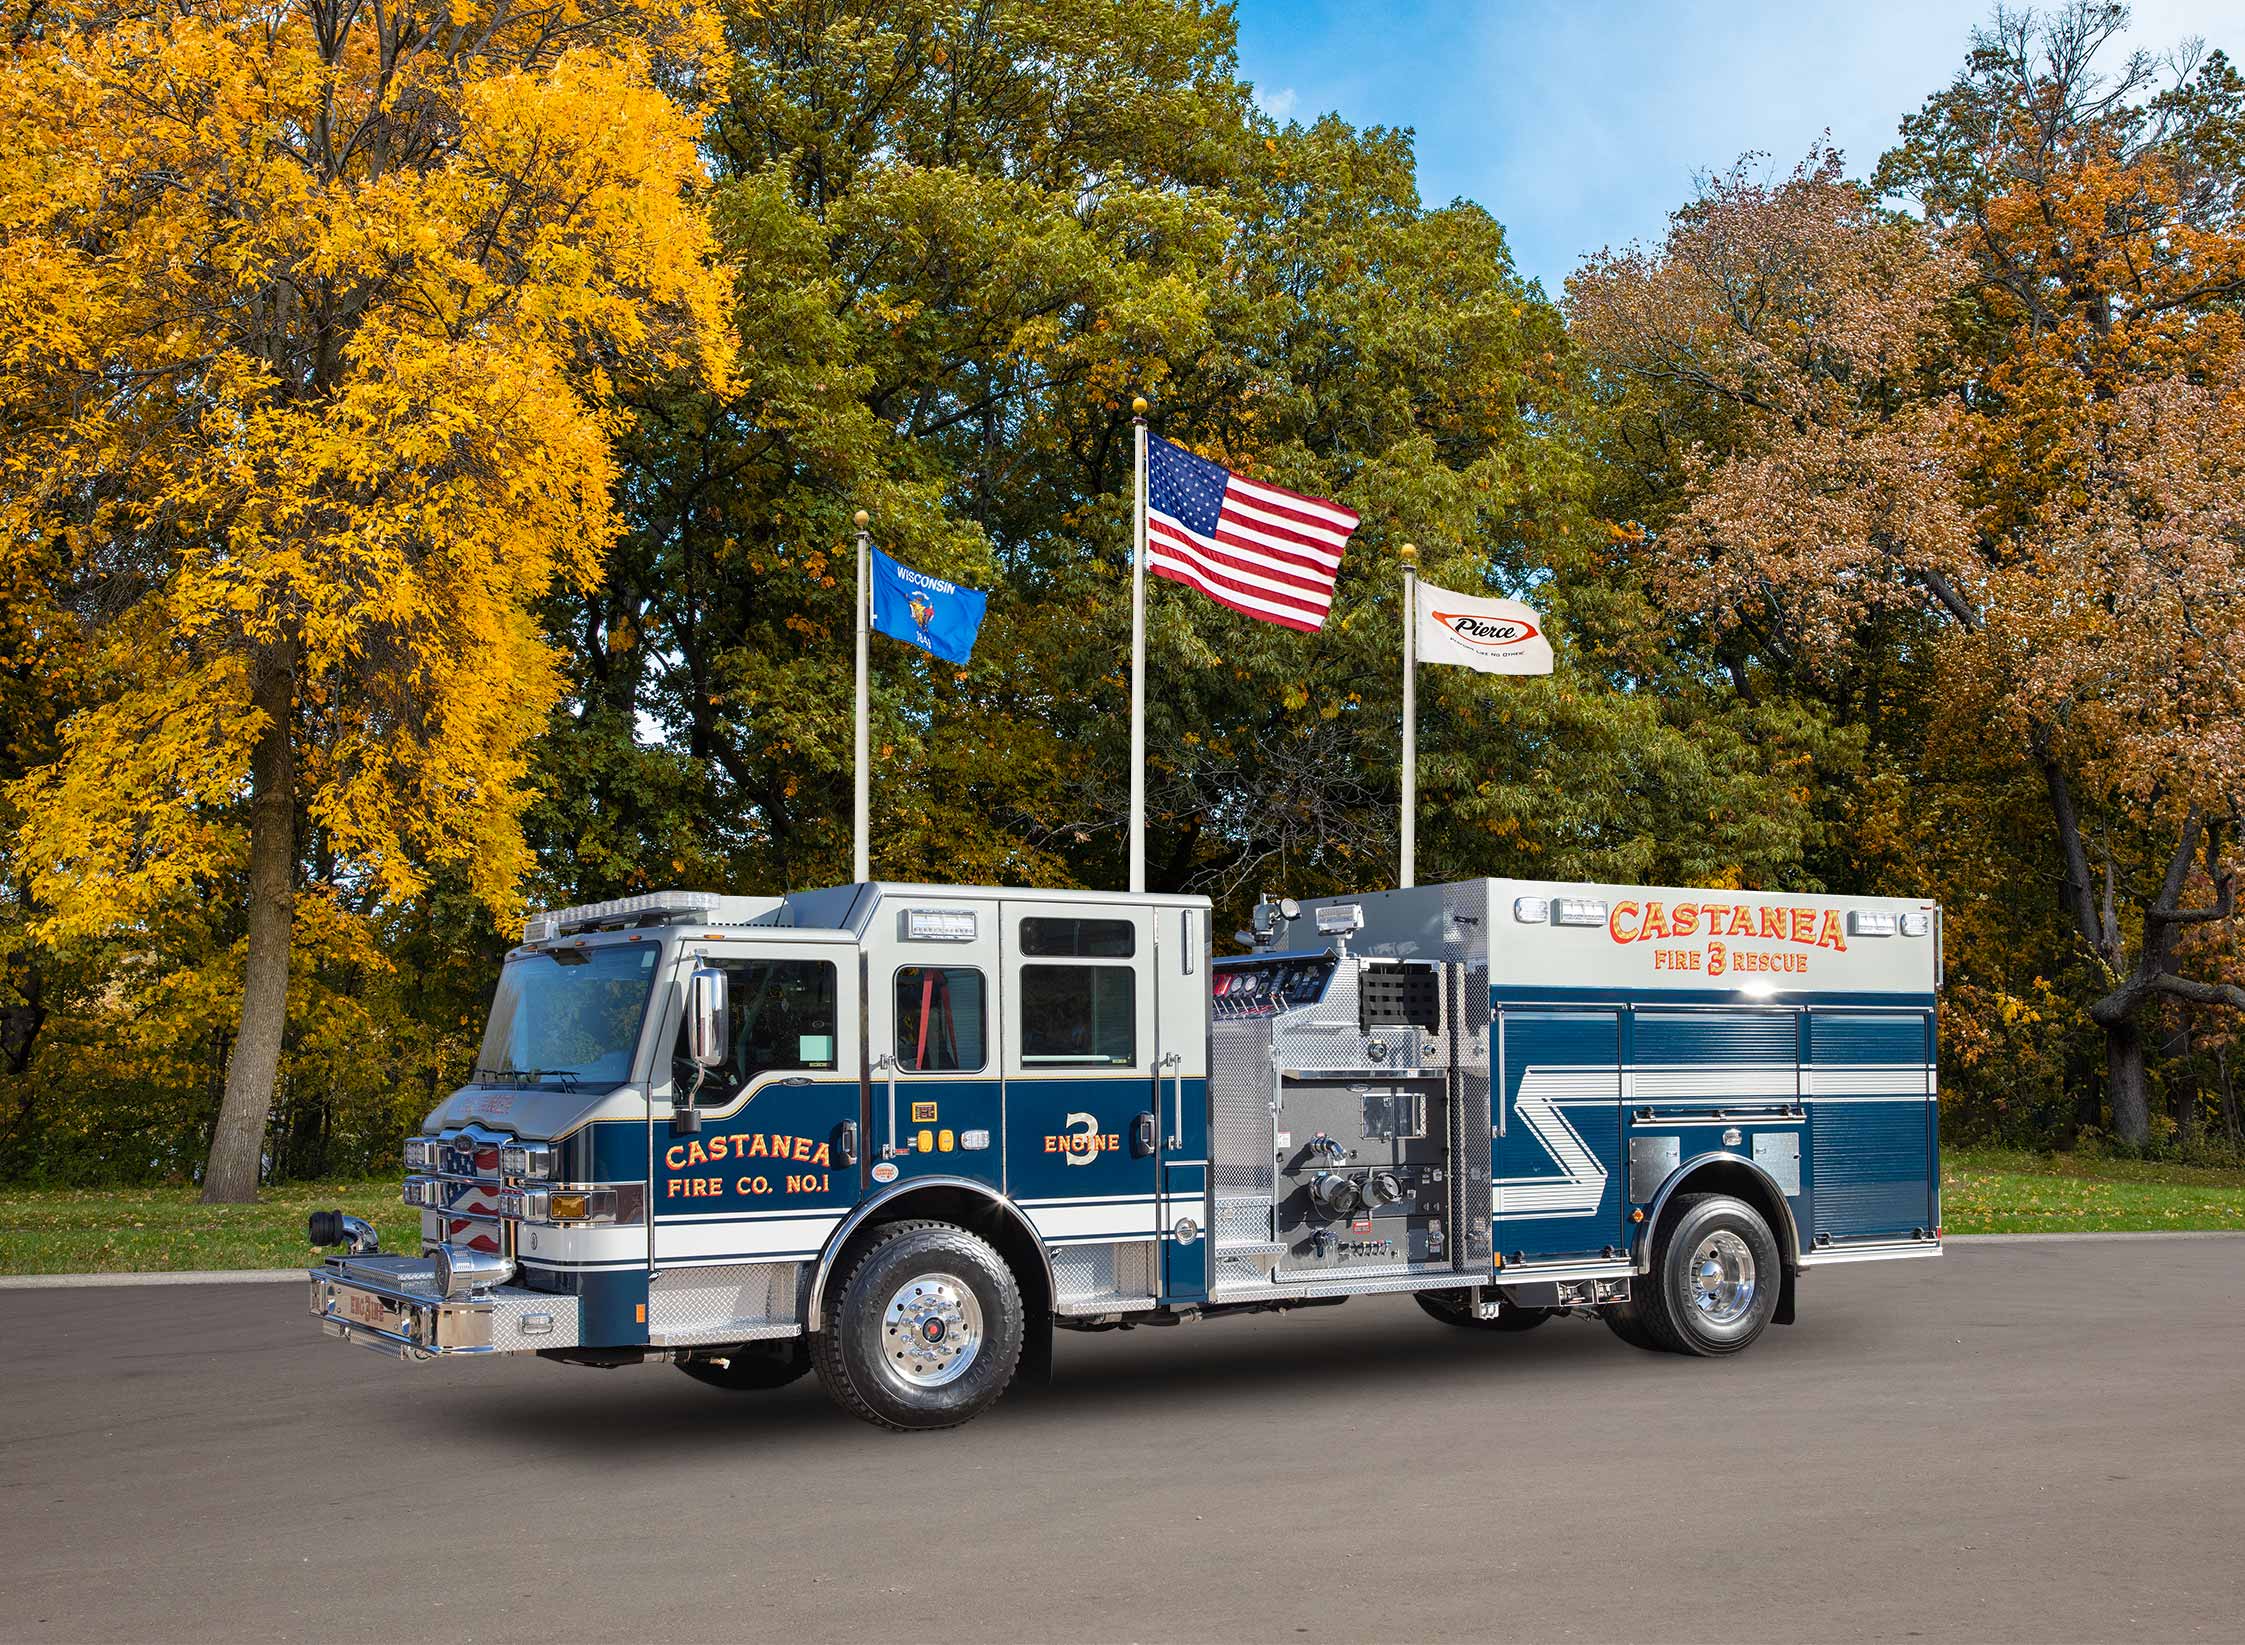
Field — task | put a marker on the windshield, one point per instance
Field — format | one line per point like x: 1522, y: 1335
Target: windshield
x: 569, y: 1015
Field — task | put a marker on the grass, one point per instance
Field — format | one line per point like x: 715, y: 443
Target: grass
x: 150, y: 1230
x: 146, y: 1230
x: 2000, y: 1191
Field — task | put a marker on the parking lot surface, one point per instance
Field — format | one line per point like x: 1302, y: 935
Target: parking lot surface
x: 2038, y: 1441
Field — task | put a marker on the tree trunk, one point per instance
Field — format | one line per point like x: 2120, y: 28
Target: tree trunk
x: 2229, y: 1098
x: 239, y: 1139
x: 2124, y: 1082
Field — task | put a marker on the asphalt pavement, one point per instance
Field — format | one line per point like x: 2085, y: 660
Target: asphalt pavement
x: 2034, y: 1442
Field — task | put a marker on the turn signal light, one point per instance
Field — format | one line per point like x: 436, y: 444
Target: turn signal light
x: 568, y: 1207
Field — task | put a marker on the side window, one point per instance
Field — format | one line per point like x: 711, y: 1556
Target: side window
x: 779, y: 1015
x: 1045, y: 938
x: 1081, y: 1014
x: 939, y: 1019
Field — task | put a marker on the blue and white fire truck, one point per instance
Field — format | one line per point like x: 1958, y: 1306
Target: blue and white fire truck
x: 901, y: 1133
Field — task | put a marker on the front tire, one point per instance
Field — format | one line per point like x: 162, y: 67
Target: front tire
x: 926, y: 1331
x: 1627, y: 1322
x: 1716, y: 1274
x: 1451, y: 1308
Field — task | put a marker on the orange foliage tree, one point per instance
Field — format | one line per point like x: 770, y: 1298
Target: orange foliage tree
x: 2006, y: 443
x: 312, y: 328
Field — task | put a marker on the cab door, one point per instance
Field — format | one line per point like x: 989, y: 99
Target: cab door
x: 1081, y: 1062
x: 773, y: 1167
x: 938, y: 1094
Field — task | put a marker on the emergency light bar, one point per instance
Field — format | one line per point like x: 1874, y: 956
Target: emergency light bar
x: 1578, y: 911
x: 1864, y: 922
x: 617, y: 910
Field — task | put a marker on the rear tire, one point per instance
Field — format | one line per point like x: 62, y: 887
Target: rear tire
x: 1451, y: 1308
x: 754, y: 1367
x: 925, y: 1332
x: 1715, y: 1279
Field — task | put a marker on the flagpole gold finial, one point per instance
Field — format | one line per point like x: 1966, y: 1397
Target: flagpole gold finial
x: 862, y: 518
x: 1138, y: 405
x: 1409, y: 554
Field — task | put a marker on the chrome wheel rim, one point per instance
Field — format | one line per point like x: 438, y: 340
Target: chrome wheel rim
x: 1723, y: 1278
x: 931, y: 1331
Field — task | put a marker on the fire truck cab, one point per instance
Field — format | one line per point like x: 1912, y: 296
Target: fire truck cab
x: 901, y: 1133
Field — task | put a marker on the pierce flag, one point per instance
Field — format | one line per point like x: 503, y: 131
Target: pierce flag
x: 1493, y: 636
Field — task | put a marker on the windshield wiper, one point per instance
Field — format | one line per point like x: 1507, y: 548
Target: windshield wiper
x: 528, y: 1076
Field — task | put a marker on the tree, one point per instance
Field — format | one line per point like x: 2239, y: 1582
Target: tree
x: 1993, y: 453
x: 317, y: 315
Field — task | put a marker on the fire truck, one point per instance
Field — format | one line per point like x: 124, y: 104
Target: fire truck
x: 901, y: 1134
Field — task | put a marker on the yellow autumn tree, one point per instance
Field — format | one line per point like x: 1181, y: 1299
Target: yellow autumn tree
x: 314, y: 321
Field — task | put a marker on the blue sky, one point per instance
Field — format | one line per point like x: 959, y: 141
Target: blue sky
x: 1581, y: 126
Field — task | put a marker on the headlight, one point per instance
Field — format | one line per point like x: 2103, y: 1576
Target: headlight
x: 420, y: 1153
x: 601, y: 1203
x: 461, y: 1271
x: 531, y: 1159
x: 420, y: 1191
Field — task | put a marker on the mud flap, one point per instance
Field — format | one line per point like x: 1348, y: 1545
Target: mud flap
x: 1036, y: 1352
x: 1784, y: 1314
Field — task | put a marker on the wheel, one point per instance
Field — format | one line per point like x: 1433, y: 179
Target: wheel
x: 1715, y: 1277
x: 925, y: 1332
x: 753, y: 1366
x: 1450, y: 1308
x: 1623, y: 1319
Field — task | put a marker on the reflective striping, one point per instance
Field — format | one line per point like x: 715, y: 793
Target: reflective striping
x: 1117, y: 1219
x: 1698, y: 1081
x: 769, y: 1237
x: 1581, y: 1184
x: 1867, y: 1079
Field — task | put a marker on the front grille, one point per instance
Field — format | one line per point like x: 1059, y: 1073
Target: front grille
x: 464, y: 1187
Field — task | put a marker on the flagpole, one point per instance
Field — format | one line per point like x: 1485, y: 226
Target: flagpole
x: 1410, y: 557
x: 861, y: 833
x: 1138, y: 655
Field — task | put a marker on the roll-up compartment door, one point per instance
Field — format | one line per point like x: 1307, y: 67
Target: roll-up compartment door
x: 1869, y: 1085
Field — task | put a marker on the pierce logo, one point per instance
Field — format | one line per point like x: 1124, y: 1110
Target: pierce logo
x: 1488, y: 633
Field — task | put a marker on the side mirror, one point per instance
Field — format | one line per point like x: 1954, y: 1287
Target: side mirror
x: 705, y: 1011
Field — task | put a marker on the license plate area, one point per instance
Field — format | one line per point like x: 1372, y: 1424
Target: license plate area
x: 365, y: 1308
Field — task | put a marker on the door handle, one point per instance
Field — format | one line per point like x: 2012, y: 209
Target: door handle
x: 1176, y: 1062
x: 1142, y: 1135
x: 889, y: 1149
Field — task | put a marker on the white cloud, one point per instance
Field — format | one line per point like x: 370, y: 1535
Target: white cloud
x: 1279, y: 104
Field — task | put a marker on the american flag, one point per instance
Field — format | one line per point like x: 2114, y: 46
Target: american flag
x: 1257, y: 548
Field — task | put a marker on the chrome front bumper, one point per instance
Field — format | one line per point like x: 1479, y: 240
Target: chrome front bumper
x: 392, y: 1305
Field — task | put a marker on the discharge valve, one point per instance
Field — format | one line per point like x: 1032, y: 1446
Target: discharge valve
x: 1334, y: 1194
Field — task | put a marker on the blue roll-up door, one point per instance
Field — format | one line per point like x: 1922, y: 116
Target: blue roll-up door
x: 1869, y: 1081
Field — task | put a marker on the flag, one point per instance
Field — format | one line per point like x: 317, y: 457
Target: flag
x: 940, y: 618
x: 1494, y: 636
x: 1257, y: 548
